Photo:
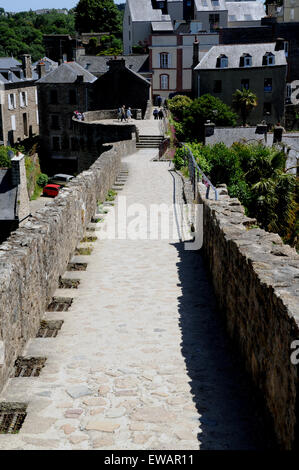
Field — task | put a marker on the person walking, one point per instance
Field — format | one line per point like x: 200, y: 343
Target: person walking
x: 159, y: 100
x: 119, y: 114
x: 129, y: 114
x: 123, y: 113
x: 155, y: 113
x: 161, y: 114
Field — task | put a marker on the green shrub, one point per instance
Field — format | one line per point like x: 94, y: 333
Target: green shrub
x: 4, y: 158
x: 42, y: 180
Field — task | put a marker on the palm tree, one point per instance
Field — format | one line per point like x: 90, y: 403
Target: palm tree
x: 244, y: 100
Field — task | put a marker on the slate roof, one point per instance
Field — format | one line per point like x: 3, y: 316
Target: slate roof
x: 245, y: 11
x: 8, y: 195
x: 8, y: 63
x: 234, y: 52
x: 142, y: 10
x: 98, y: 64
x: 67, y: 72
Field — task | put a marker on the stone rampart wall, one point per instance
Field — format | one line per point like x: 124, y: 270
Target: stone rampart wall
x: 36, y: 254
x: 255, y: 277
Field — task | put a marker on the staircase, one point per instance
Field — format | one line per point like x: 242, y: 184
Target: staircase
x: 149, y: 141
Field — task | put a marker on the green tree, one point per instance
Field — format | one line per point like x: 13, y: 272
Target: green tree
x: 244, y: 101
x: 178, y: 104
x: 207, y: 107
x: 97, y: 16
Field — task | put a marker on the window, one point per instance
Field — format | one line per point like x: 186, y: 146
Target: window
x: 248, y: 17
x: 222, y: 62
x: 217, y: 86
x: 269, y: 59
x: 204, y: 3
x: 292, y: 13
x: 12, y: 103
x: 232, y: 18
x: 164, y: 60
x: 56, y: 143
x: 215, y: 3
x: 53, y: 97
x: 55, y: 121
x: 73, y: 97
x: 25, y: 124
x: 214, y: 21
x: 268, y: 85
x: 286, y: 48
x: 246, y: 60
x: 37, y: 117
x: 164, y: 82
x: 13, y: 122
x: 267, y: 109
x: 74, y: 143
x: 245, y: 84
x: 23, y: 99
x: 36, y: 96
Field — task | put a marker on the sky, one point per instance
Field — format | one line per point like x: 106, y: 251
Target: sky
x: 25, y: 5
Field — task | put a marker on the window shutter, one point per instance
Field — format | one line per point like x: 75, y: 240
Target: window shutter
x: 9, y: 102
x: 158, y: 66
x: 13, y: 122
x: 14, y: 101
x: 26, y: 98
x: 37, y: 117
x: 169, y: 59
x: 36, y: 98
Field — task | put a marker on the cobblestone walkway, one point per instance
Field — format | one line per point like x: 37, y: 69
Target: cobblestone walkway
x: 141, y: 361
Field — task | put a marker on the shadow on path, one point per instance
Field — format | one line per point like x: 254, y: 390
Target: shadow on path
x: 224, y: 396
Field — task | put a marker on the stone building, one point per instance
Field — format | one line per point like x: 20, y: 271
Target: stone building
x: 261, y: 68
x: 19, y: 118
x: 61, y: 92
x: 120, y: 86
x: 14, y: 200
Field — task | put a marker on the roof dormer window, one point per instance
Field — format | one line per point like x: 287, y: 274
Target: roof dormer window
x: 222, y: 62
x: 246, y: 60
x: 269, y: 59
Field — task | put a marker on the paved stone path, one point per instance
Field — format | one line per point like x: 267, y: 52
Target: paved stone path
x: 141, y: 361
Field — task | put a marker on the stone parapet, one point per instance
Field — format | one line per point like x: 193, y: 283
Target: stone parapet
x: 255, y: 277
x: 37, y: 254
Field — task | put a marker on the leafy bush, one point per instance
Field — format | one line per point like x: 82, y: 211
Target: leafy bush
x: 4, y: 158
x: 42, y: 180
x: 178, y: 104
x: 254, y: 174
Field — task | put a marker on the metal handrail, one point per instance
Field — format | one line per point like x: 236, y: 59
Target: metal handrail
x: 196, y: 173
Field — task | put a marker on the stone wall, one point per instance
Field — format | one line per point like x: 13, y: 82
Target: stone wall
x: 292, y: 117
x: 34, y: 257
x: 255, y: 277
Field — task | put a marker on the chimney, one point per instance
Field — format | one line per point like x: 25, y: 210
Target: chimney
x: 279, y: 46
x: 195, y: 52
x: 116, y: 64
x: 41, y: 69
x: 26, y: 65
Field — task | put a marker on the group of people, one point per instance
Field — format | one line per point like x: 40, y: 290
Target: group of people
x: 79, y: 116
x: 124, y: 114
x: 158, y: 113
